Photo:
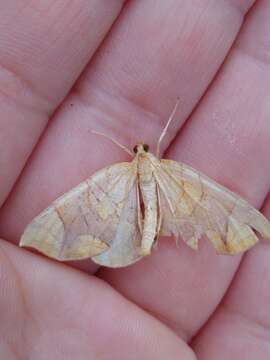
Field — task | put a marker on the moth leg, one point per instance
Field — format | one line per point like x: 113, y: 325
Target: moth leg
x: 159, y: 213
x: 155, y: 243
x: 139, y: 208
x: 177, y: 241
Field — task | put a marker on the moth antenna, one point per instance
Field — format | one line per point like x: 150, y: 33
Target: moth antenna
x: 166, y: 127
x: 114, y: 141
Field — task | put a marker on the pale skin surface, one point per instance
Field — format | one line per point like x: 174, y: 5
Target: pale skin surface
x: 51, y: 310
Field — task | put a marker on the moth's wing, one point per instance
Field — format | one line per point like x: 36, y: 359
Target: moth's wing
x: 193, y: 205
x: 96, y: 219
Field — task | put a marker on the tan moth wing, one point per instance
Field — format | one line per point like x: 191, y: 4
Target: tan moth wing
x: 193, y: 205
x: 98, y: 219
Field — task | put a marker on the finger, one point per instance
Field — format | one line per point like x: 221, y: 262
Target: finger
x: 122, y: 90
x: 244, y: 312
x: 228, y: 139
x: 240, y: 326
x: 43, y: 48
x: 45, y: 317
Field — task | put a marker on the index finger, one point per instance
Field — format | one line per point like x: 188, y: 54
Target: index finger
x: 44, y: 46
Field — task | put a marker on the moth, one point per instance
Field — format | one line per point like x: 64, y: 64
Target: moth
x: 116, y: 216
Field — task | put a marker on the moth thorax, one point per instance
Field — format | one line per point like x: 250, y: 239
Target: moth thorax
x: 145, y: 169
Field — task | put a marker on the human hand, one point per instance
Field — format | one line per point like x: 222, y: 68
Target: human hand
x: 175, y: 304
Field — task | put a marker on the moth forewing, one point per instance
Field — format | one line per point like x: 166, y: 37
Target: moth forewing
x: 194, y: 205
x: 94, y: 218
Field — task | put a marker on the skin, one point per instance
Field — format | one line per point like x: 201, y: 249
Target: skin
x: 66, y: 69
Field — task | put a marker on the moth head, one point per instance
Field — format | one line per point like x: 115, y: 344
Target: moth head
x: 141, y: 148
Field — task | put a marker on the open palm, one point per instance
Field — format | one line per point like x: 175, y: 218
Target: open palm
x: 117, y: 67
